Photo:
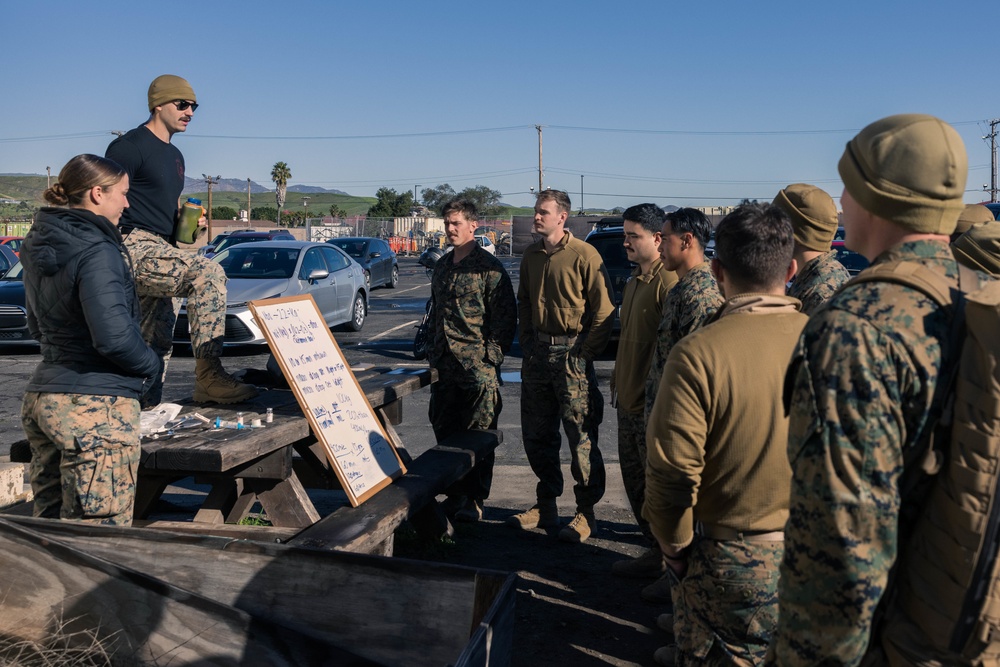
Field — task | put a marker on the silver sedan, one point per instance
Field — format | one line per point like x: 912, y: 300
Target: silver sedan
x: 272, y: 269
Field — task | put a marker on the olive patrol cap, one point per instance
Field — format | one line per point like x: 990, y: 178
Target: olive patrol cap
x: 909, y: 169
x: 813, y: 215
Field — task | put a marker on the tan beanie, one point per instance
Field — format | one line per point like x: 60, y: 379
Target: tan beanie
x: 979, y: 248
x: 168, y: 88
x: 909, y: 169
x: 813, y: 215
x: 972, y: 215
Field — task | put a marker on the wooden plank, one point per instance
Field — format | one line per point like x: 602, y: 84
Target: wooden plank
x: 360, y: 602
x: 285, y: 502
x: 361, y: 529
x: 231, y: 531
x: 218, y: 505
x: 150, y: 619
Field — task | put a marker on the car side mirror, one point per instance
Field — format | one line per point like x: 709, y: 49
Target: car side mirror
x: 318, y: 274
x: 207, y: 249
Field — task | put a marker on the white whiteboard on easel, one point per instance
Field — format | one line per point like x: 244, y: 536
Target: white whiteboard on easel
x: 342, y: 419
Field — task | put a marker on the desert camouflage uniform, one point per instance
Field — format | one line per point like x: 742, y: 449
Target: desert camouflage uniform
x: 689, y: 304
x: 726, y: 605
x: 864, y: 376
x: 162, y: 272
x: 817, y: 280
x: 474, y: 319
x: 84, y: 455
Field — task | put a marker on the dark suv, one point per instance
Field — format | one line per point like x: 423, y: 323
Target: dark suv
x: 608, y: 237
x: 248, y: 237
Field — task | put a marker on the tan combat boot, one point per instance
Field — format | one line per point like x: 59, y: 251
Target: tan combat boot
x: 580, y: 528
x: 543, y: 515
x: 212, y: 384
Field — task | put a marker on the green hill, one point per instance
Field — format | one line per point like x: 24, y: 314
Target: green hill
x: 22, y: 188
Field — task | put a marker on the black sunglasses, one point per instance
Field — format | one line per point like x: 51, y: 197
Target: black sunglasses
x: 182, y: 105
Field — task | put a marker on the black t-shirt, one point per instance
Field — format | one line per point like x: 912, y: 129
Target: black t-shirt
x: 156, y: 177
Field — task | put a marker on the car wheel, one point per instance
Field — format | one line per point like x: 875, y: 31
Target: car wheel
x: 358, y: 313
x: 368, y: 280
x: 394, y: 277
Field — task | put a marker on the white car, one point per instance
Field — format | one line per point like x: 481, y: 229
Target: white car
x: 484, y: 243
x: 270, y: 269
x: 487, y: 245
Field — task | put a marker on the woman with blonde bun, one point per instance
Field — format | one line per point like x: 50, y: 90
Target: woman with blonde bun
x: 81, y: 407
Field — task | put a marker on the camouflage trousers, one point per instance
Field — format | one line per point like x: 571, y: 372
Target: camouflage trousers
x: 465, y: 399
x: 726, y: 605
x: 84, y: 455
x: 163, y: 272
x: 560, y: 387
x: 632, y: 460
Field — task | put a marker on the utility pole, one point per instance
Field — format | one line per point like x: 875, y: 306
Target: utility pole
x: 581, y: 194
x: 48, y: 177
x: 210, y: 181
x: 305, y: 210
x: 248, y: 201
x: 992, y: 136
x: 541, y: 174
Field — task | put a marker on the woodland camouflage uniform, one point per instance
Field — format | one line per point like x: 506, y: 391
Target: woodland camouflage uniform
x: 473, y: 323
x: 817, y: 281
x: 689, y: 304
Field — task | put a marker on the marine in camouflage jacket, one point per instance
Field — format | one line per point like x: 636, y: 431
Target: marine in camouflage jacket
x: 474, y: 312
x: 689, y: 304
x: 864, y: 376
x: 817, y: 280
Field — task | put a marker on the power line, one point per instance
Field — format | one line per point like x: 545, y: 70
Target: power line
x: 725, y: 133
x: 508, y: 128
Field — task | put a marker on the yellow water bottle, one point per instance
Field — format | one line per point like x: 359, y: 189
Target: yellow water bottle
x: 187, y: 222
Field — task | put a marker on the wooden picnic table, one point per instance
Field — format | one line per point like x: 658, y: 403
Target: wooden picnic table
x: 276, y: 464
x: 259, y: 464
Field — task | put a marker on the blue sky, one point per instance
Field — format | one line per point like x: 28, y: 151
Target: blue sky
x: 676, y: 103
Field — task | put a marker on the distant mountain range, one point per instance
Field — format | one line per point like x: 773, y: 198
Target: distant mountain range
x: 240, y: 185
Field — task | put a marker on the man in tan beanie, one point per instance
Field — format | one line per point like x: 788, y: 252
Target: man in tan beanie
x: 162, y: 271
x: 814, y: 221
x: 861, y: 398
x: 972, y: 215
x: 979, y: 247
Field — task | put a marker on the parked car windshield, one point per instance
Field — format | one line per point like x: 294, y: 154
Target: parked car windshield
x: 230, y: 241
x: 253, y: 263
x: 14, y: 273
x: 355, y: 249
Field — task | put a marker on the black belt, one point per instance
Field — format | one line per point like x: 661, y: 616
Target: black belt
x: 554, y: 340
x: 725, y: 534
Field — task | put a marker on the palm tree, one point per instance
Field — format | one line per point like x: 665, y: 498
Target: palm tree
x: 280, y: 173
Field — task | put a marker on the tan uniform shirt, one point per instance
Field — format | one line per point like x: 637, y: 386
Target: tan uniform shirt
x: 565, y: 293
x: 717, y: 438
x: 642, y: 310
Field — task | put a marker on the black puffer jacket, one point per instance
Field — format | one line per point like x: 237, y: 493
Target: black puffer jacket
x: 83, y: 307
